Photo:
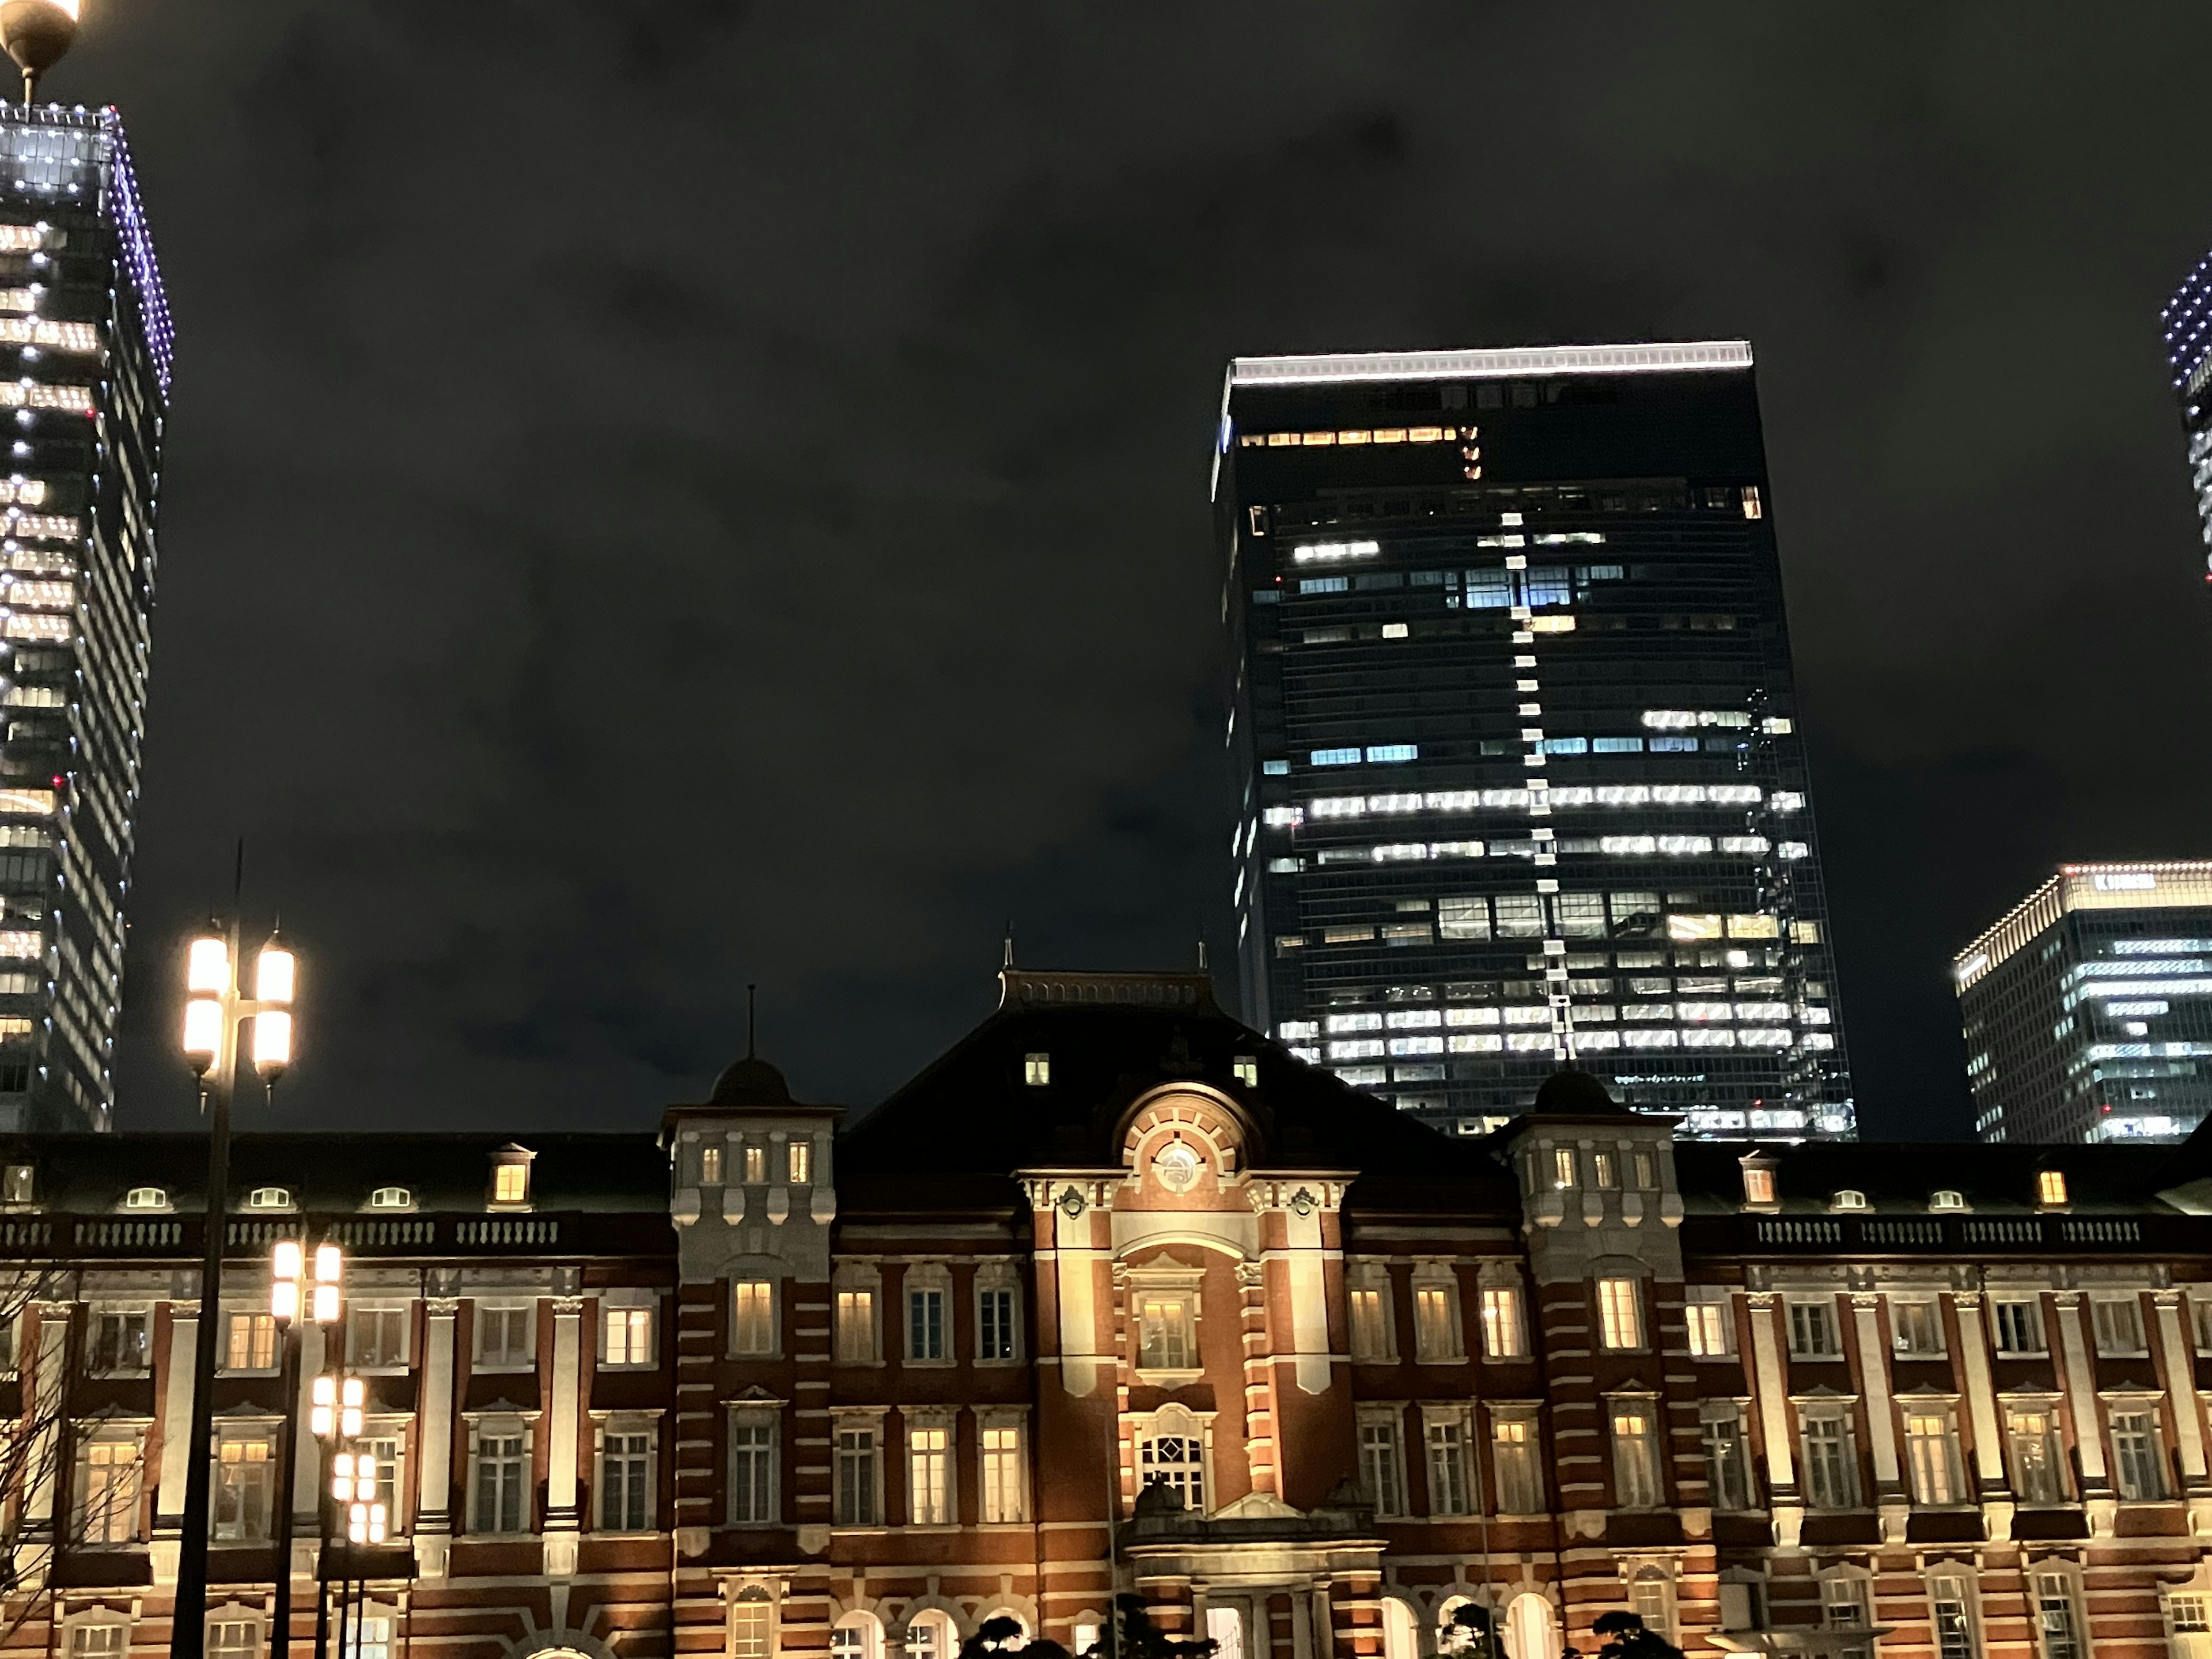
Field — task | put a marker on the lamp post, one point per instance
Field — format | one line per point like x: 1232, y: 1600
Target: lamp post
x: 350, y: 1494
x: 288, y: 1280
x: 215, y: 1017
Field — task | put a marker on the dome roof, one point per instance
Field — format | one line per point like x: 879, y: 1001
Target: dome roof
x: 751, y: 1082
x: 1573, y: 1092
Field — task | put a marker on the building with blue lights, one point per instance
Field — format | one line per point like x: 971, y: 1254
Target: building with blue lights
x: 1514, y: 735
x: 81, y: 403
x: 2088, y: 1010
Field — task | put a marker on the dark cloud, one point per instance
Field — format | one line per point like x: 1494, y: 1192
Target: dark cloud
x: 666, y: 495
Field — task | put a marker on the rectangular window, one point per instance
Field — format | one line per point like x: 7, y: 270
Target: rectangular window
x: 1503, y: 1337
x: 2056, y: 1620
x: 2020, y: 1326
x: 856, y: 1477
x: 1462, y: 918
x: 376, y: 1338
x: 250, y: 1342
x: 1435, y: 1322
x: 1179, y: 1460
x: 1371, y: 1336
x: 753, y: 1494
x: 118, y: 1342
x: 1037, y: 1070
x: 1164, y: 1333
x: 112, y: 1641
x: 756, y: 1157
x: 856, y: 1327
x: 385, y: 1449
x: 2191, y: 1615
x: 1447, y: 1469
x: 1636, y: 1457
x: 107, y: 1492
x: 1915, y: 1328
x: 1005, y: 1486
x: 2117, y: 1325
x: 925, y: 1324
x: 2037, y: 1470
x: 502, y: 1469
x: 2138, y: 1465
x: 1727, y: 1461
x: 627, y: 1337
x: 1951, y: 1611
x: 1813, y: 1330
x: 1619, y: 1313
x: 626, y: 1481
x: 507, y: 1338
x: 994, y: 1324
x: 1378, y: 1466
x: 227, y: 1639
x: 1713, y: 1333
x: 1513, y: 1457
x: 245, y: 1477
x: 710, y: 1166
x: 755, y: 1316
x: 510, y: 1183
x: 1832, y: 1475
x: 1931, y: 1451
x: 1519, y: 915
x: 799, y: 1162
x: 928, y: 1486
x: 1844, y: 1606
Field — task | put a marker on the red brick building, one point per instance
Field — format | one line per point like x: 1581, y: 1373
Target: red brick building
x: 770, y: 1385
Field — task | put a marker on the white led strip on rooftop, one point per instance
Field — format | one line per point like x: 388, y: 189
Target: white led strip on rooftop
x: 1492, y: 363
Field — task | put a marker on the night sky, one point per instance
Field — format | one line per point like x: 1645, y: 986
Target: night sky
x: 670, y: 493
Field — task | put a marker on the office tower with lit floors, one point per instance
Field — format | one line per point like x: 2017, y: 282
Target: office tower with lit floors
x: 2186, y: 327
x: 83, y: 392
x: 2088, y: 1008
x: 1515, y: 736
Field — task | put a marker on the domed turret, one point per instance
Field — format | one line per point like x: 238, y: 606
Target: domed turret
x: 1574, y: 1092
x: 751, y: 1082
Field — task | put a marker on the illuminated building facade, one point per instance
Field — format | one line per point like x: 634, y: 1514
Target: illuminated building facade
x: 2186, y: 323
x: 1514, y: 734
x: 1117, y: 1297
x: 2088, y: 1010
x: 86, y: 331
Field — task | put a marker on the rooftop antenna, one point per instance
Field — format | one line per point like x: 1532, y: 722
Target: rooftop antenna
x: 752, y: 1020
x: 1009, y: 962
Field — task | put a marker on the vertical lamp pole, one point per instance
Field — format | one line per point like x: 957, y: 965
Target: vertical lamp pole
x: 285, y: 1285
x: 214, y: 1018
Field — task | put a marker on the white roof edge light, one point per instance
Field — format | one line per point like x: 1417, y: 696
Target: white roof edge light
x: 1488, y: 363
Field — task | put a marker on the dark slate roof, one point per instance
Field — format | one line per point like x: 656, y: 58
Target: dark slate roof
x: 1898, y: 1177
x: 88, y: 1174
x: 1112, y: 1037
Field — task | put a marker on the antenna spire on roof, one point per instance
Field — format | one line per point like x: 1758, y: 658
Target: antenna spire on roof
x: 1009, y: 962
x: 752, y: 1021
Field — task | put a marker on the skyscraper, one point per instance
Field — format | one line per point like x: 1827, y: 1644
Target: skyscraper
x: 2187, y: 325
x: 83, y: 312
x: 1515, y: 736
x: 2088, y: 1010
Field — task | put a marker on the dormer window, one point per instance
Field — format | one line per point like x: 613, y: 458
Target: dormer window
x: 269, y: 1198
x: 146, y: 1198
x: 510, y: 1175
x: 1037, y: 1070
x: 2051, y: 1188
x: 391, y: 1198
x: 1945, y: 1198
x: 1848, y: 1198
x: 1248, y: 1070
x: 1758, y: 1185
x: 19, y: 1184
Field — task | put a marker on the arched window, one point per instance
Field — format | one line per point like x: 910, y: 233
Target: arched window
x: 1532, y: 1629
x: 857, y: 1635
x: 269, y: 1198
x: 1945, y: 1198
x: 146, y: 1198
x: 930, y: 1634
x: 752, y: 1624
x: 1848, y: 1198
x: 1173, y: 1451
x: 391, y: 1198
x: 1401, y: 1636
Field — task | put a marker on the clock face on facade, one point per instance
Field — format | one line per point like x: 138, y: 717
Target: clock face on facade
x: 1177, y: 1167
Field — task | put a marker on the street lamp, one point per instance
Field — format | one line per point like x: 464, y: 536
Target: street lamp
x: 216, y: 1013
x: 335, y: 1418
x: 36, y: 32
x: 290, y: 1290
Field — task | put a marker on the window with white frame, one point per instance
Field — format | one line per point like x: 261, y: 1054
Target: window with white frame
x: 1515, y: 1465
x: 625, y: 1478
x: 1619, y: 1313
x: 1652, y: 1597
x: 507, y: 1336
x: 1382, y: 1463
x: 244, y: 1483
x: 1636, y: 1454
x: 1712, y: 1322
x: 752, y: 1624
x: 2116, y: 1325
x: 756, y: 1498
x: 110, y: 1471
x: 376, y: 1338
x: 1167, y: 1330
x: 249, y: 1342
x: 858, y: 1635
x: 855, y: 1321
x: 626, y: 1336
x: 2058, y: 1615
x: 1728, y: 1454
x: 930, y: 1634
x: 752, y: 1316
x: 1436, y: 1316
x: 928, y: 1472
x: 108, y: 1639
x: 2037, y: 1461
x: 370, y: 1635
x: 385, y: 1441
x: 1931, y: 1456
x: 1846, y: 1604
x: 499, y: 1477
x: 2189, y: 1621
x: 2018, y: 1321
x: 1370, y: 1320
x: 229, y: 1638
x: 1005, y: 1470
x: 1916, y: 1327
x: 1831, y: 1456
x: 1951, y: 1614
x: 998, y: 1332
x: 928, y: 1330
x: 860, y: 1473
x: 1813, y: 1330
x: 120, y: 1343
x: 2138, y: 1455
x: 1503, y: 1334
x: 1450, y: 1490
x: 1172, y: 1452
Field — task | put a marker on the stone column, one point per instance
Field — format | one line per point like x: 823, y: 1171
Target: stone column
x: 175, y: 1405
x: 1773, y: 1385
x: 1890, y: 1500
x: 434, y: 1519
x: 1990, y: 1481
x: 2078, y: 1378
x: 48, y: 1378
x: 2180, y: 1357
x: 562, y: 1521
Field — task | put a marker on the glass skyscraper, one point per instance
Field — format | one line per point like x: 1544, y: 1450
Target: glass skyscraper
x: 82, y: 313
x: 1515, y: 736
x: 2186, y: 323
x: 2088, y: 1010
